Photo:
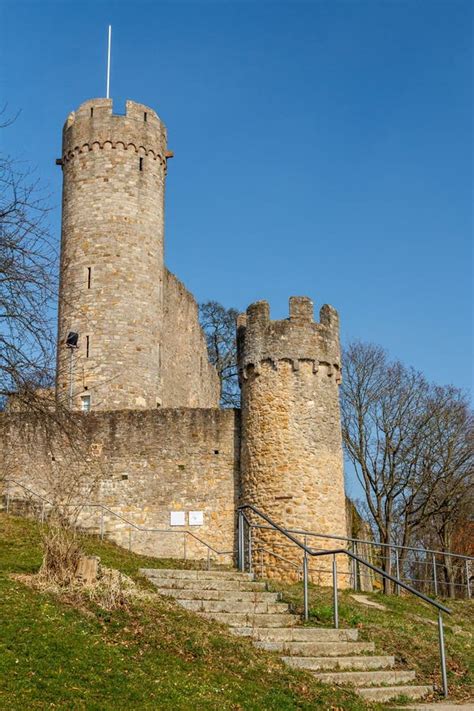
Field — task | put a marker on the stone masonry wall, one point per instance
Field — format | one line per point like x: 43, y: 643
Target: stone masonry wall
x: 147, y: 464
x: 188, y: 379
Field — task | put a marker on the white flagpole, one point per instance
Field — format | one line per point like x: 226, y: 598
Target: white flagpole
x: 108, y: 61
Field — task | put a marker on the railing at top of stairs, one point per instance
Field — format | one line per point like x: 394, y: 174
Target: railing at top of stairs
x: 310, y: 552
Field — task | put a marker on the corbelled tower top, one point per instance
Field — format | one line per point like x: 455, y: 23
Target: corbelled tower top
x: 94, y: 124
x: 298, y: 338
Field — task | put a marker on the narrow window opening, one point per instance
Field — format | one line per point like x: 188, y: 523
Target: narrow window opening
x: 87, y: 346
x: 92, y: 111
x: 141, y: 163
x: 216, y: 451
x: 85, y: 403
x: 89, y: 277
x: 145, y: 116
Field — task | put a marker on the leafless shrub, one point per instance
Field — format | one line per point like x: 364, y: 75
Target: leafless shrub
x: 61, y: 554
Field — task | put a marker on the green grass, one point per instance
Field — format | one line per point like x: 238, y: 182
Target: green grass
x: 153, y: 655
x: 407, y: 630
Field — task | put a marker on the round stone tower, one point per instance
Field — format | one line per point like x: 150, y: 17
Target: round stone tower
x: 292, y: 464
x: 111, y: 274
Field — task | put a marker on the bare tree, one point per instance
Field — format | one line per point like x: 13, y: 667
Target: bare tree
x: 27, y: 284
x: 219, y: 325
x: 411, y: 446
x: 69, y: 473
x: 448, y: 477
x: 384, y: 418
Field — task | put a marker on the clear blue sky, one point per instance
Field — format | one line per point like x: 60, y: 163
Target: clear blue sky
x: 321, y: 148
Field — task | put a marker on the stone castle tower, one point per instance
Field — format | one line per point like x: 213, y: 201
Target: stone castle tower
x: 137, y: 359
x: 291, y: 452
x: 112, y: 276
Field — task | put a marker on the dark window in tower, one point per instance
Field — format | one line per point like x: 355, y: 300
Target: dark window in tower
x: 92, y: 111
x: 89, y: 277
x: 145, y: 116
x: 87, y: 346
x: 140, y: 164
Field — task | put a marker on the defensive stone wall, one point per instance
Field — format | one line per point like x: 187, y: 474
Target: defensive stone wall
x: 188, y: 379
x: 146, y: 465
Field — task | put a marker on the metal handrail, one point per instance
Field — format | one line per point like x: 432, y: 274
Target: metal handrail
x: 432, y: 563
x: 339, y: 551
x: 131, y: 524
x: 375, y: 543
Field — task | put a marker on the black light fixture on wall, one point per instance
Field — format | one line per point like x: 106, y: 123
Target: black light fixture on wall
x: 71, y: 343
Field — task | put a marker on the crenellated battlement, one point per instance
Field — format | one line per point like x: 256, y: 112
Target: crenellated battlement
x: 94, y: 126
x: 297, y: 338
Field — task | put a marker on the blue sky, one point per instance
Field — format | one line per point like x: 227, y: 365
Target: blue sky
x: 321, y: 148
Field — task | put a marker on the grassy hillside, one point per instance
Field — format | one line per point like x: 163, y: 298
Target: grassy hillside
x: 407, y: 629
x: 69, y: 654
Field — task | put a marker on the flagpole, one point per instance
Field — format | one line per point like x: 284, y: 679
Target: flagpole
x: 108, y: 61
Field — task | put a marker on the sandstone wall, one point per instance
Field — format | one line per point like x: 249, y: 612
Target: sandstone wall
x: 142, y: 465
x: 187, y: 377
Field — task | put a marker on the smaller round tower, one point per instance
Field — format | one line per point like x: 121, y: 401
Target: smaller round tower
x: 292, y: 463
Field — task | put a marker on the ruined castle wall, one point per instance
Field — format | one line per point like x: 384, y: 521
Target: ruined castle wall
x: 188, y: 379
x: 142, y: 465
x: 111, y: 274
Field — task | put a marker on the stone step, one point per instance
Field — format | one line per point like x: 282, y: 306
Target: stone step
x: 196, y: 574
x: 224, y: 585
x: 234, y: 595
x: 316, y: 649
x: 299, y: 634
x: 339, y: 663
x: 259, y: 620
x: 231, y: 606
x: 390, y: 693
x: 366, y: 678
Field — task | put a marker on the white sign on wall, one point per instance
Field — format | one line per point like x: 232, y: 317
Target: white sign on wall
x: 177, y: 518
x: 196, y: 518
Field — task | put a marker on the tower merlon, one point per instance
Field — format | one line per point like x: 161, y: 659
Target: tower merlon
x: 297, y: 338
x: 301, y: 309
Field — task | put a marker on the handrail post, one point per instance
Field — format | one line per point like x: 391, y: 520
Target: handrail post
x: 208, y: 558
x: 185, y: 539
x: 305, y: 586
x: 356, y: 567
x: 240, y: 540
x: 249, y: 545
x: 8, y: 499
x: 353, y: 567
x: 442, y: 654
x: 468, y: 579
x: 435, y: 578
x: 397, y: 564
x: 130, y: 538
x: 42, y: 513
x: 334, y: 592
x: 101, y: 524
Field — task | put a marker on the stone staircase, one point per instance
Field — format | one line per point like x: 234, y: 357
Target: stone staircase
x: 245, y: 605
